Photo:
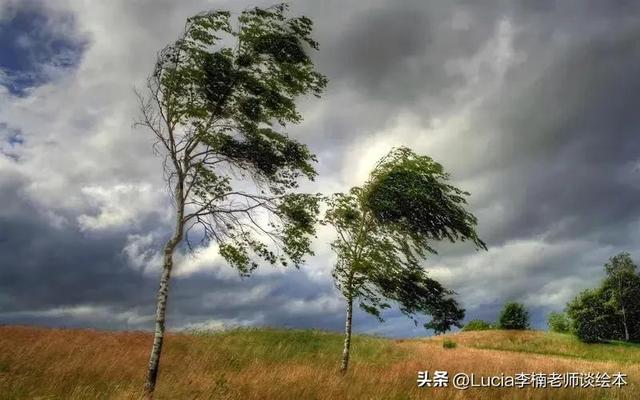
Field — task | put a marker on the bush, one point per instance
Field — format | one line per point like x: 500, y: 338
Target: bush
x: 477, y: 325
x: 449, y: 344
x: 514, y: 316
x: 559, y: 322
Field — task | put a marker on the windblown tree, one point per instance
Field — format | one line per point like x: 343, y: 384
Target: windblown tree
x: 218, y: 101
x: 384, y: 231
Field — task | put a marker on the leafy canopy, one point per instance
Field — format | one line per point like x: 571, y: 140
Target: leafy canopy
x: 593, y: 319
x: 411, y: 195
x: 513, y: 316
x: 384, y: 231
x: 600, y: 314
x: 219, y: 100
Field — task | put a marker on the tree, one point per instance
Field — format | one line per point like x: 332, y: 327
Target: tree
x: 593, y: 319
x: 559, y: 322
x: 385, y: 228
x: 622, y: 289
x: 218, y: 100
x: 611, y: 311
x: 513, y: 316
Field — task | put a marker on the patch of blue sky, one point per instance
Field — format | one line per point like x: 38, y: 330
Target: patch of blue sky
x: 36, y: 46
x: 10, y: 141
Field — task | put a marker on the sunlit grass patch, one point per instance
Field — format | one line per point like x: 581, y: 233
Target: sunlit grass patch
x: 550, y: 343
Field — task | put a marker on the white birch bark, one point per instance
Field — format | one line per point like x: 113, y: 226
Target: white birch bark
x: 163, y: 292
x: 347, y: 337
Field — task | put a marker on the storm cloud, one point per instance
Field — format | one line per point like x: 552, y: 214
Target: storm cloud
x: 531, y: 106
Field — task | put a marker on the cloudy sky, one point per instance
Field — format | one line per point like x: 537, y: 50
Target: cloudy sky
x: 532, y: 107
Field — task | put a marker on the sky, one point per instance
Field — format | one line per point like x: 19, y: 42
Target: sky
x: 531, y: 107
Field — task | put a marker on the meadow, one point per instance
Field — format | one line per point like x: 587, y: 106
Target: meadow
x: 39, y: 363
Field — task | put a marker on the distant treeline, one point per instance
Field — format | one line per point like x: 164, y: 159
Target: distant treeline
x: 609, y: 312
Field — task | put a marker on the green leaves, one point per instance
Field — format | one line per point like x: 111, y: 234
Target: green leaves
x: 513, y: 316
x: 592, y: 318
x: 238, y: 257
x: 219, y: 99
x: 283, y: 48
x: 218, y: 77
x: 385, y: 228
x: 410, y: 194
x: 255, y: 81
x: 559, y: 322
x: 203, y: 30
x: 620, y: 266
x: 612, y: 310
x: 299, y: 212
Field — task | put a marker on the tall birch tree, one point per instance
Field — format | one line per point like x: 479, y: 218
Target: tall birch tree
x: 384, y: 231
x: 622, y: 289
x: 218, y: 102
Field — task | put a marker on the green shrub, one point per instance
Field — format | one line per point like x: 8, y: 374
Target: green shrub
x: 559, y: 322
x: 514, y: 316
x: 449, y: 344
x: 477, y: 325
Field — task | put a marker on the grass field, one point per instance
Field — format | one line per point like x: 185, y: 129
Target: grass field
x: 288, y: 364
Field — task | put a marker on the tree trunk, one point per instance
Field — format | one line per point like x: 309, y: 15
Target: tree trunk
x: 624, y: 322
x: 624, y: 313
x: 347, y: 337
x: 163, y: 292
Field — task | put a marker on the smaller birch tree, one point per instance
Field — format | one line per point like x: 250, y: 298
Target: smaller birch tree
x: 385, y: 229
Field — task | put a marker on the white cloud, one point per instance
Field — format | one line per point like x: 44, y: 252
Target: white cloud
x: 321, y: 305
x: 141, y: 253
x: 534, y: 271
x: 217, y: 325
x: 119, y: 206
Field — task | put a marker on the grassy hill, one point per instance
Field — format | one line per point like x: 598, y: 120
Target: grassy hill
x: 40, y: 363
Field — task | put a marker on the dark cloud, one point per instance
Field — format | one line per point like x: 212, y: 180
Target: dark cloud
x: 45, y: 266
x: 62, y: 276
x: 566, y: 146
x: 384, y: 59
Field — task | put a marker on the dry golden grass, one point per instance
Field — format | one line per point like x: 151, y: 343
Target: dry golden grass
x: 277, y: 364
